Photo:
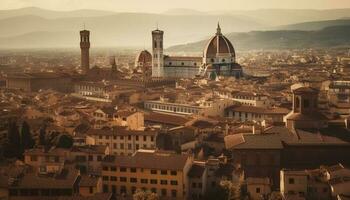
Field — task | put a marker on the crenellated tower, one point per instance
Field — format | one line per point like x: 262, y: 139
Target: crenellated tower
x: 85, y: 47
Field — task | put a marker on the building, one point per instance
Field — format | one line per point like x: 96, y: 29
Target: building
x: 46, y: 161
x: 258, y: 188
x: 219, y: 59
x: 88, y: 158
x: 305, y: 112
x: 205, y: 108
x: 294, y: 184
x: 35, y: 81
x: 338, y: 96
x: 265, y: 154
x: 164, y: 173
x: 84, y: 48
x: 251, y: 99
x: 245, y: 113
x: 122, y: 141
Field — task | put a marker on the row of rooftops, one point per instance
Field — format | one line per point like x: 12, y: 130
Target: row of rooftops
x: 147, y: 158
x: 278, y: 137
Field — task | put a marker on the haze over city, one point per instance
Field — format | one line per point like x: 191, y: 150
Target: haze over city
x: 174, y: 100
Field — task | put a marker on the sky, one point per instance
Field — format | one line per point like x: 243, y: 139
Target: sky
x: 164, y: 5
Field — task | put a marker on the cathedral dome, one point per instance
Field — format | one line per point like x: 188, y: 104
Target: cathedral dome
x: 218, y: 44
x: 144, y: 57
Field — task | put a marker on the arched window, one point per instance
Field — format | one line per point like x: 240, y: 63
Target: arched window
x: 212, y: 60
x: 182, y: 64
x: 297, y: 103
x: 223, y: 60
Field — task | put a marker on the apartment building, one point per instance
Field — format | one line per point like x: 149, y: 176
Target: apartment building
x: 161, y: 172
x: 122, y: 141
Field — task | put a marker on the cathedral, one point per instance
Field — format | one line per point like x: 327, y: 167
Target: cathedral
x: 219, y: 59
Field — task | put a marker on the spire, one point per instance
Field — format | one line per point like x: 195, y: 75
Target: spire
x: 218, y: 29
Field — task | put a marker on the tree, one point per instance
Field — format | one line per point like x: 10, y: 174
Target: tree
x: 64, y: 141
x: 27, y: 141
x: 233, y: 190
x: 13, y: 144
x: 42, y: 135
x: 145, y: 195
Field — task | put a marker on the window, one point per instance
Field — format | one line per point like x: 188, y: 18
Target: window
x: 129, y: 146
x: 105, y: 178
x: 105, y: 188
x: 99, y: 158
x: 113, y: 178
x: 199, y: 185
x: 121, y: 146
x: 104, y: 168
x: 194, y: 185
x: 154, y: 181
x: 153, y: 171
x: 144, y: 181
x: 123, y: 169
x: 257, y: 190
x: 291, y: 180
x: 173, y: 182
x: 144, y: 138
x: 122, y: 189
x: 129, y: 137
x: 114, y: 189
x: 137, y: 138
x: 137, y: 146
x: 133, y: 180
x: 91, y: 189
x: 122, y: 179
x: 113, y: 169
x: 174, y: 173
x: 163, y: 172
x: 133, y: 170
x: 154, y: 190
x: 91, y: 158
x: 173, y: 193
x: 163, y: 192
x: 306, y: 103
x: 152, y: 138
x: 133, y: 189
x: 163, y: 182
x: 122, y: 137
x: 33, y: 158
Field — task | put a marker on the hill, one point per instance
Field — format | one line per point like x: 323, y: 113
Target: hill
x: 327, y: 37
x: 315, y: 25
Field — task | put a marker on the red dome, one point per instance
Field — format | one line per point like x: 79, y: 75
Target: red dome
x: 218, y: 44
x: 144, y: 57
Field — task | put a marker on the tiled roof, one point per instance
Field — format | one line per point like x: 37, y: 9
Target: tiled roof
x: 149, y: 160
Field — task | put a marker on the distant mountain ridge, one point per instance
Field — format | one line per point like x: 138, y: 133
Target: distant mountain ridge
x: 315, y: 25
x: 181, y: 26
x: 287, y: 39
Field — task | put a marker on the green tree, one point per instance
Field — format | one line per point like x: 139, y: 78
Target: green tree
x: 27, y: 141
x: 145, y: 195
x: 42, y: 135
x: 13, y: 144
x: 64, y: 141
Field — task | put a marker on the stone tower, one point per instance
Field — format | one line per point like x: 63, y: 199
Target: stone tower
x: 157, y: 53
x: 85, y: 46
x: 113, y: 64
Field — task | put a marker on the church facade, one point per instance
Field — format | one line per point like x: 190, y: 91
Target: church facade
x: 219, y: 59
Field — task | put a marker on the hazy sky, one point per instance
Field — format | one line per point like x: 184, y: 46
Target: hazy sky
x: 163, y: 5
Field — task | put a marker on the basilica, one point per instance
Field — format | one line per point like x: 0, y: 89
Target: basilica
x: 219, y: 59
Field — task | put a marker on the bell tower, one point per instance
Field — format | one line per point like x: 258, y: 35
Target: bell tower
x: 85, y: 47
x: 157, y: 53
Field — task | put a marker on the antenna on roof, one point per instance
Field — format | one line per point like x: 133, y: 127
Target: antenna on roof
x: 157, y: 26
